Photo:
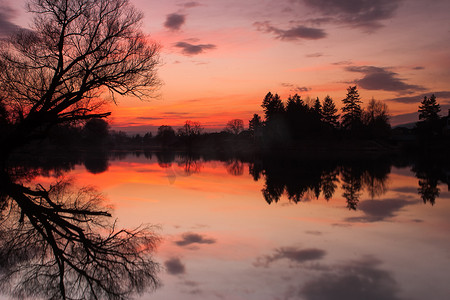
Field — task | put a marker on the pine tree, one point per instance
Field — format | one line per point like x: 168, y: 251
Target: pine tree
x: 272, y: 106
x: 255, y: 123
x: 352, y: 111
x: 329, y: 112
x: 429, y: 109
x: 318, y: 107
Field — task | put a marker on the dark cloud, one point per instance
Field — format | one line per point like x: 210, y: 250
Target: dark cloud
x: 190, y: 4
x: 405, y: 190
x: 295, y: 88
x: 353, y: 281
x: 174, y: 21
x: 367, y: 14
x: 174, y: 266
x: 343, y: 63
x: 376, y: 78
x: 313, y: 232
x: 418, y: 98
x: 294, y: 255
x: 7, y: 14
x: 379, y: 210
x: 419, y: 68
x: 314, y: 55
x: 192, y: 49
x: 294, y: 33
x: 193, y: 238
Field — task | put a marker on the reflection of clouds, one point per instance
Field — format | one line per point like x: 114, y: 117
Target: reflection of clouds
x: 194, y: 238
x: 174, y: 266
x: 355, y: 280
x: 292, y: 254
x: 406, y: 190
x: 314, y: 232
x: 191, y: 287
x: 378, y: 210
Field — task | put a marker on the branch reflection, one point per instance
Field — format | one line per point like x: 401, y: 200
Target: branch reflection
x: 59, y: 243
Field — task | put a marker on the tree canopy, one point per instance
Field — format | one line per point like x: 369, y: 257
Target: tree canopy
x: 74, y: 52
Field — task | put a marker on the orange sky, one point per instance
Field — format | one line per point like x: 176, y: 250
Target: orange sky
x: 219, y: 58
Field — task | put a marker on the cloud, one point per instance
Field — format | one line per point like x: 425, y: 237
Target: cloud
x: 376, y: 78
x: 174, y: 266
x: 379, y: 210
x: 190, y: 4
x: 294, y: 33
x: 193, y: 238
x: 6, y: 15
x: 292, y: 254
x: 367, y: 14
x: 174, y: 21
x: 418, y: 98
x: 314, y: 55
x: 192, y: 49
x: 353, y: 281
x: 295, y: 88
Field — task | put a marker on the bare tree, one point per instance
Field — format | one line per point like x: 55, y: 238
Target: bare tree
x: 75, y: 51
x: 235, y: 126
x: 190, y: 129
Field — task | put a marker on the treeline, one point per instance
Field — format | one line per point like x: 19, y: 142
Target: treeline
x: 296, y: 119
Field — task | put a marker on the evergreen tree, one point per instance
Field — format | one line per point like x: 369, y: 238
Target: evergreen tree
x: 352, y: 111
x: 329, y: 112
x: 272, y: 106
x: 429, y: 109
x: 318, y: 107
x: 255, y: 123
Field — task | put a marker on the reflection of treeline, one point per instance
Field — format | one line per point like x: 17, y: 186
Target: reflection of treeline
x: 302, y: 179
x: 285, y: 176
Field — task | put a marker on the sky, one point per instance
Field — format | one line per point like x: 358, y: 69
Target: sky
x: 220, y: 58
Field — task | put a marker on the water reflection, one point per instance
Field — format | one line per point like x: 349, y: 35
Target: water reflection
x: 296, y: 178
x: 214, y: 208
x: 58, y: 242
x: 301, y: 179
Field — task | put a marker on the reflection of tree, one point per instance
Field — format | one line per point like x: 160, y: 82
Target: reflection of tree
x: 165, y: 158
x: 56, y: 243
x: 328, y: 184
x: 428, y: 190
x: 351, y: 184
x: 190, y: 164
x: 235, y: 167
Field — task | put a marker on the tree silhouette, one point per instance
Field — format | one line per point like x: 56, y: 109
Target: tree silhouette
x: 376, y: 118
x: 255, y: 125
x: 272, y: 106
x: 329, y: 112
x: 235, y: 126
x: 429, y: 109
x: 351, y: 111
x: 75, y: 51
x: 190, y: 129
x: 318, y: 107
x: 56, y: 243
x: 165, y: 134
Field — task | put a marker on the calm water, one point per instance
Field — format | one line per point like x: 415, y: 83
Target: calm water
x: 283, y: 230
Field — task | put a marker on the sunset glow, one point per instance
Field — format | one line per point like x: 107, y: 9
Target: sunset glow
x: 219, y: 58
